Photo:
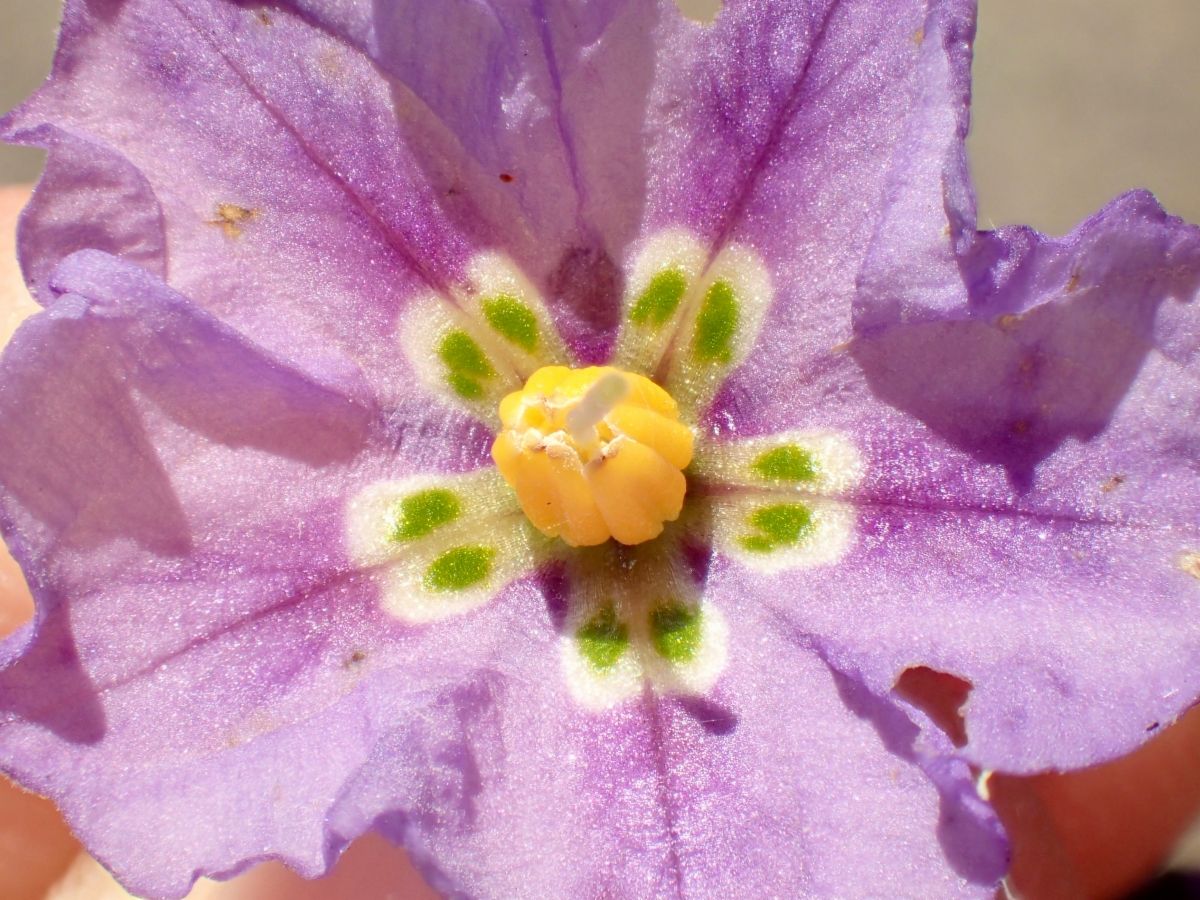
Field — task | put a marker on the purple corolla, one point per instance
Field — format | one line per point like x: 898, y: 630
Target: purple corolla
x: 293, y: 254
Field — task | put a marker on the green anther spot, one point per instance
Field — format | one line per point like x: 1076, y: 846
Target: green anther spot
x: 458, y: 569
x: 716, y: 325
x: 787, y: 463
x: 782, y: 525
x: 419, y: 514
x: 462, y: 356
x: 603, y: 639
x: 675, y: 630
x: 467, y: 388
x: 514, y: 320
x: 660, y: 299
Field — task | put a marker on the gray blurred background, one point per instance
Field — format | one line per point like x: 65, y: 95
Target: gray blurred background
x: 1075, y: 101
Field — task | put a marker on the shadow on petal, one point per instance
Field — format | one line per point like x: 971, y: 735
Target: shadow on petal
x: 1049, y: 340
x: 697, y: 555
x: 422, y: 781
x: 105, y: 10
x: 555, y: 586
x: 48, y: 685
x: 203, y: 374
x: 521, y: 121
x: 1010, y: 390
x: 968, y: 829
x: 73, y: 449
x: 74, y: 445
x: 214, y: 384
x: 585, y: 297
x: 714, y: 718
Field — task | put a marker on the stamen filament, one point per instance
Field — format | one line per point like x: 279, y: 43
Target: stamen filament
x: 601, y: 399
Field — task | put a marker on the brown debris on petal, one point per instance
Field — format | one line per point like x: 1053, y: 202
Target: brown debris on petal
x: 230, y: 218
x: 1112, y: 484
x: 1190, y: 563
x: 332, y: 62
x: 506, y: 178
x: 1008, y: 321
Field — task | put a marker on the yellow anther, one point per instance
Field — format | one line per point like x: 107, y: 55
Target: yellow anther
x: 594, y: 453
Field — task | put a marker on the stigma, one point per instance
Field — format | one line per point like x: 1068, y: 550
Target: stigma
x: 594, y: 454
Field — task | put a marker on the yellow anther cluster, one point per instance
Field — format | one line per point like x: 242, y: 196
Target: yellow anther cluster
x: 594, y: 453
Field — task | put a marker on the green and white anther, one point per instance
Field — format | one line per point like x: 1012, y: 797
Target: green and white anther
x: 768, y: 532
x: 718, y: 328
x: 658, y: 290
x: 441, y: 545
x: 786, y: 508
x: 473, y: 349
x: 818, y: 463
x: 636, y: 618
x: 504, y: 303
x: 457, y: 359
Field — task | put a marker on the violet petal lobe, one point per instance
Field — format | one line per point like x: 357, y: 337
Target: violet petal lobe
x: 88, y: 198
x: 1026, y: 413
x: 175, y: 496
x: 1028, y: 509
x: 811, y: 197
x: 784, y: 106
x: 291, y: 208
x: 790, y: 780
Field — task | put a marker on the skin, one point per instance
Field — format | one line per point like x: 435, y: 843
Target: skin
x: 1093, y: 834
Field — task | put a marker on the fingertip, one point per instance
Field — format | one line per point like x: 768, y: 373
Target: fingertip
x: 36, y: 846
x: 371, y: 869
x: 1098, y: 833
x: 16, y: 603
x: 15, y: 302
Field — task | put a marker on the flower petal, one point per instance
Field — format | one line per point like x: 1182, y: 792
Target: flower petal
x: 303, y: 231
x: 89, y: 197
x: 717, y: 329
x: 525, y: 115
x: 862, y: 128
x: 486, y: 88
x: 669, y: 796
x: 504, y: 302
x: 175, y: 496
x: 777, y: 94
x: 663, y: 275
x: 1029, y: 505
x: 457, y: 358
x: 444, y: 544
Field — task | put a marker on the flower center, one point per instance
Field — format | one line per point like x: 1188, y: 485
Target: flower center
x: 594, y: 453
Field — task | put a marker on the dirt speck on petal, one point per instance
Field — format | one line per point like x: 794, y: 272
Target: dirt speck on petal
x: 231, y: 217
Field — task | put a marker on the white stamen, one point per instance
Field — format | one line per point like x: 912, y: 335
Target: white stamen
x: 600, y: 399
x: 981, y: 785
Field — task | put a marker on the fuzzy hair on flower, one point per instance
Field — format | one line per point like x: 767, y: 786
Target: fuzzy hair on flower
x: 545, y: 432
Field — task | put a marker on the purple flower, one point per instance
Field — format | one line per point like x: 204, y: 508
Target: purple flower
x: 292, y: 255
